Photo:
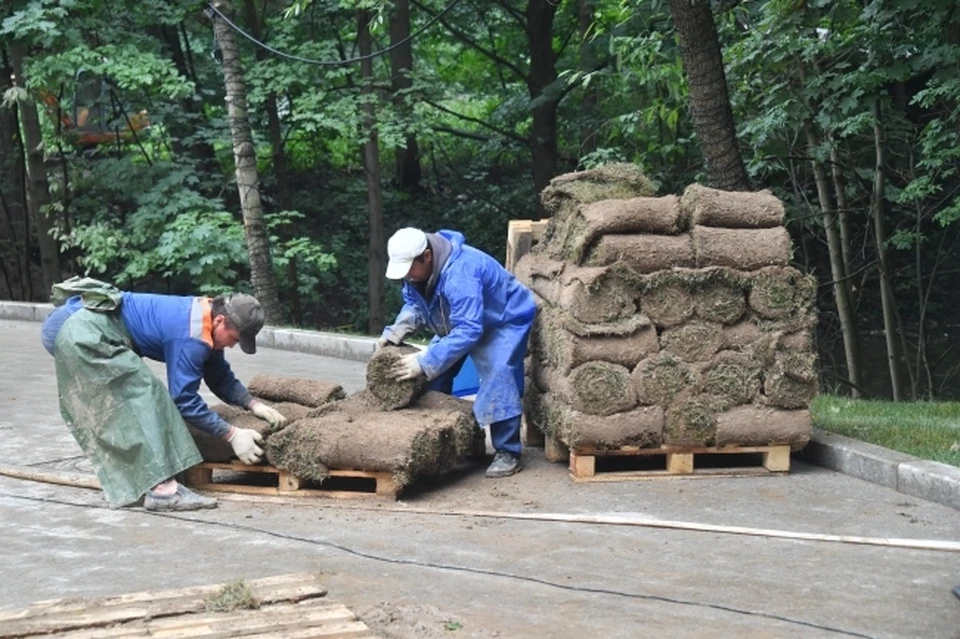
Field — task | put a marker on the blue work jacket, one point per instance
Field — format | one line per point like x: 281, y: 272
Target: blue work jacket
x: 477, y: 308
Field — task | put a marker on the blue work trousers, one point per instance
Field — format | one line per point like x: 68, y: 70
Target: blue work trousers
x: 505, y: 434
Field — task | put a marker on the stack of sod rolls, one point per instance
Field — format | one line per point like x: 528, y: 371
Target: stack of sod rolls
x: 667, y: 320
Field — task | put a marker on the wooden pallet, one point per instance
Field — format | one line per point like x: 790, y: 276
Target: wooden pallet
x: 705, y: 461
x: 290, y: 606
x: 522, y: 235
x: 340, y: 484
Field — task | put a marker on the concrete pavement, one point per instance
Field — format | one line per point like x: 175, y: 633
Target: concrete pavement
x: 407, y: 568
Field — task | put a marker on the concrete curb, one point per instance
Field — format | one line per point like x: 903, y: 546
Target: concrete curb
x: 904, y: 473
x: 338, y: 345
x: 933, y: 481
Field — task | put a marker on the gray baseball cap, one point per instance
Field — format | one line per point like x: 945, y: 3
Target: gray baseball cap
x: 246, y: 315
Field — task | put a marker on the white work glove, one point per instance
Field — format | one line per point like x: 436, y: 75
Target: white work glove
x: 244, y: 442
x: 407, y: 367
x: 383, y: 341
x: 268, y: 414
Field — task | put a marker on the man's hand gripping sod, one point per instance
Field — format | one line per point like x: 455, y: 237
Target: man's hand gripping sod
x: 407, y: 367
x: 268, y: 414
x: 244, y: 442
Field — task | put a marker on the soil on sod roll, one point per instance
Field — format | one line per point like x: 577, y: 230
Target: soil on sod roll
x: 600, y: 388
x: 734, y: 375
x: 565, y: 350
x: 409, y: 443
x: 782, y: 291
x: 381, y: 382
x: 590, y: 294
x: 307, y: 392
x: 782, y: 391
x: 720, y: 302
x: 643, y: 253
x: 660, y: 378
x: 763, y: 426
x: 741, y: 249
x: 732, y: 209
x: 691, y: 419
x: 659, y: 216
x: 641, y: 427
x: 614, y: 181
x: 667, y: 302
x: 217, y: 449
x: 695, y: 341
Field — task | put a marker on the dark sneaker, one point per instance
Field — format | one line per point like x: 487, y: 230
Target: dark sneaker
x: 183, y: 499
x: 956, y: 591
x: 504, y: 464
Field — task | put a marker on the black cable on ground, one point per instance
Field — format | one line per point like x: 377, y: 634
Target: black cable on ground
x: 463, y: 569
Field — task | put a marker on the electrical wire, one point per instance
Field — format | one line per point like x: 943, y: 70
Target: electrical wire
x: 331, y: 63
x: 460, y: 569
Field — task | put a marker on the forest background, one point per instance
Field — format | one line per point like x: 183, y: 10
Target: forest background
x: 273, y: 146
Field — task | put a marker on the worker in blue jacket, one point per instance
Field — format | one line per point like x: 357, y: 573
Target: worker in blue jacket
x: 474, y: 307
x: 130, y: 425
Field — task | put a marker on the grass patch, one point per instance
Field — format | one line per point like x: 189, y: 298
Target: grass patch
x: 929, y: 430
x: 234, y: 595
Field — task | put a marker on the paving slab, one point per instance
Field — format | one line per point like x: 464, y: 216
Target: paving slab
x: 411, y: 569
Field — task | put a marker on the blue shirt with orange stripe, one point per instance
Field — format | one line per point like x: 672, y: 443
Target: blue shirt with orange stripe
x: 178, y: 331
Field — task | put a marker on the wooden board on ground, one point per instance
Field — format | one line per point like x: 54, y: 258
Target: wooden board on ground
x: 290, y: 606
x: 632, y: 463
x: 522, y: 235
x: 269, y: 480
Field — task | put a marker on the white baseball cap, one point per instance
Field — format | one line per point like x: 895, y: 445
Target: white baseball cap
x: 403, y: 247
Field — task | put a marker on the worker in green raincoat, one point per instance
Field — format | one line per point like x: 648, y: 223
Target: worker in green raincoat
x: 131, y: 427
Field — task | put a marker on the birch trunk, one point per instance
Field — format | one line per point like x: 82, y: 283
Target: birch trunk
x: 248, y: 181
x: 848, y: 325
x: 887, y: 298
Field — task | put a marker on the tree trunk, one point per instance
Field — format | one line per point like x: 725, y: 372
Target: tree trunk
x: 543, y: 73
x: 409, y: 172
x: 709, y: 99
x: 38, y: 191
x: 848, y: 325
x: 199, y: 149
x: 371, y: 165
x: 590, y: 99
x: 279, y: 165
x: 887, y: 298
x: 843, y: 220
x: 14, y: 224
x: 248, y: 182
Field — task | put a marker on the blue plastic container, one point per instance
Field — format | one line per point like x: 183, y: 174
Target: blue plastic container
x: 466, y: 382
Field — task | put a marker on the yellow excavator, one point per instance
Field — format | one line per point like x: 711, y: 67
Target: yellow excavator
x: 95, y: 115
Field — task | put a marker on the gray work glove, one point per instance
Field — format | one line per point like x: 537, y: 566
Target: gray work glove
x: 381, y: 342
x: 268, y: 414
x: 407, y: 367
x: 244, y: 442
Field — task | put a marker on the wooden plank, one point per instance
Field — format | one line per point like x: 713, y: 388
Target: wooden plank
x: 76, y: 613
x: 777, y: 460
x: 679, y: 461
x: 288, y: 484
x: 227, y: 624
x: 582, y: 465
x: 554, y: 450
x: 522, y: 235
